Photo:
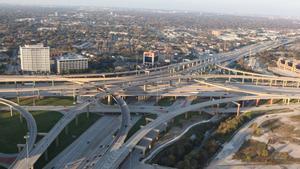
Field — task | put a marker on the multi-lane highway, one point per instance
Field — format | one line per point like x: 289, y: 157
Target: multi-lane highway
x: 86, y: 144
x: 122, y: 81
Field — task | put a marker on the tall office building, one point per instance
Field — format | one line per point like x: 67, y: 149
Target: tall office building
x: 35, y: 58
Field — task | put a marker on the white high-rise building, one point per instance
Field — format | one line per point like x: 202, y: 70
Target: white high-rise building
x: 35, y: 58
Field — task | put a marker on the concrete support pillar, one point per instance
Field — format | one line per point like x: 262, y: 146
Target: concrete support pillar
x: 144, y: 152
x: 200, y: 112
x: 76, y: 120
x: 46, y: 155
x: 67, y: 130
x: 53, y: 83
x: 33, y: 101
x: 18, y: 99
x: 39, y: 95
x: 74, y: 96
x: 11, y: 111
x: 238, y: 110
x: 298, y: 84
x: 145, y: 88
x: 57, y: 141
x: 179, y: 80
x: 271, y: 81
x: 243, y: 103
x: 256, y: 83
x: 271, y: 101
x: 19, y: 148
x: 257, y: 102
x: 288, y: 101
x: 88, y: 112
x: 186, y: 115
x: 109, y: 99
x: 218, y: 107
x: 21, y: 118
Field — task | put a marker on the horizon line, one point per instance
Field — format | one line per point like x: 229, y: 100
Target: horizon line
x: 157, y: 9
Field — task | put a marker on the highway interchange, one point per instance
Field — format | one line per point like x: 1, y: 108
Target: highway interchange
x: 183, y: 79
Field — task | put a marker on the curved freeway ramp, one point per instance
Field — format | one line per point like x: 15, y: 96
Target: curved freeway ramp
x: 45, y: 142
x: 244, y: 72
x: 31, y: 125
x: 119, y: 140
x: 114, y: 158
x: 125, y: 124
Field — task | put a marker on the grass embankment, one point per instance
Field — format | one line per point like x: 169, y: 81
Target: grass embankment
x: 45, y: 101
x: 255, y: 151
x: 263, y: 152
x: 192, y: 151
x: 166, y: 101
x: 13, y: 131
x: 179, y: 121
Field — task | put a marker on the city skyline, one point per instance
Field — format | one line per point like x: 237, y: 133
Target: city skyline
x: 237, y: 7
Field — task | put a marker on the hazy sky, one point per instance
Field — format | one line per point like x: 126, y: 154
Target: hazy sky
x: 247, y: 7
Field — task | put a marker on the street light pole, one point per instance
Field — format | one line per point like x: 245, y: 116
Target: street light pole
x: 27, y: 153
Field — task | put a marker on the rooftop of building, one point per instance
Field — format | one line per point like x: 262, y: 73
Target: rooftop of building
x: 150, y: 53
x: 39, y: 45
x: 71, y: 56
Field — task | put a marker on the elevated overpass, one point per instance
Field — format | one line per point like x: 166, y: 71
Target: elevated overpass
x: 43, y: 144
x: 31, y: 125
x: 85, y: 78
x: 152, y: 75
x: 114, y: 159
